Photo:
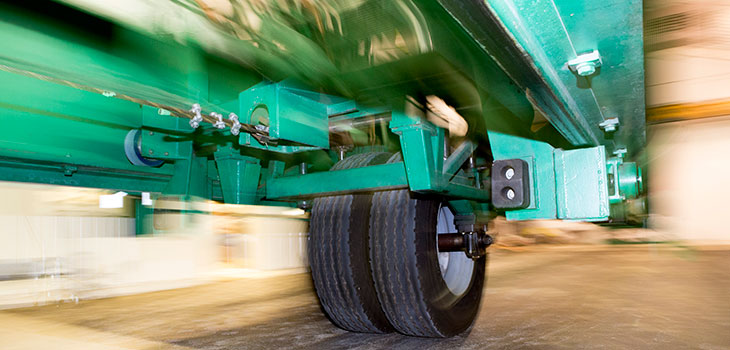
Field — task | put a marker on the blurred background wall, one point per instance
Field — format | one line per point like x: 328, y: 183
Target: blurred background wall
x: 57, y: 245
x: 688, y: 104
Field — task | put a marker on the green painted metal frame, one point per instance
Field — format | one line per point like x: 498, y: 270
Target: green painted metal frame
x: 568, y: 184
x: 423, y: 168
x: 56, y: 131
x: 533, y: 41
x: 582, y: 184
x: 239, y: 176
x: 539, y: 157
x: 293, y: 114
x: 422, y: 147
x: 370, y: 178
x: 627, y: 180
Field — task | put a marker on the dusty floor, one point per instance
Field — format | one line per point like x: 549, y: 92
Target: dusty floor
x: 613, y: 297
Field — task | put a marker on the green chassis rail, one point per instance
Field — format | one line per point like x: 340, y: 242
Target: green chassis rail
x: 79, y: 77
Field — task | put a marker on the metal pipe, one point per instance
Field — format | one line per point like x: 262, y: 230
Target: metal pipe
x: 450, y: 242
x: 473, y: 244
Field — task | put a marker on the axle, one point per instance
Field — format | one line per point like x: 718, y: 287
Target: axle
x: 473, y: 244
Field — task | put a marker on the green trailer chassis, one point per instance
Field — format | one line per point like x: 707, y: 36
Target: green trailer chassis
x: 73, y: 89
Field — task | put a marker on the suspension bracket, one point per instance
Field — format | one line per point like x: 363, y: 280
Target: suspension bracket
x: 473, y: 244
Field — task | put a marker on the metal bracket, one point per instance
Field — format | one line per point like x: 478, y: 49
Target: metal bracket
x: 586, y: 63
x: 422, y: 145
x: 473, y: 243
x: 564, y: 184
x: 609, y: 125
x: 625, y: 180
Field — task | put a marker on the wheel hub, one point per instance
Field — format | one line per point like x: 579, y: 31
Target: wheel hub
x: 456, y: 268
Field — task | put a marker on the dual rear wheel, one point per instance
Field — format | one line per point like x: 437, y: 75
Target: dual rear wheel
x: 376, y: 265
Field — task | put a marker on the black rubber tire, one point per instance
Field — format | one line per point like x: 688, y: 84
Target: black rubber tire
x: 339, y: 257
x: 406, y: 270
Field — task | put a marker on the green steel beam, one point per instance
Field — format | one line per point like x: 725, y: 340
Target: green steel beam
x: 143, y: 218
x: 23, y: 170
x: 49, y: 122
x: 422, y: 146
x: 370, y: 178
x: 534, y: 40
x: 469, y: 192
x: 458, y: 157
x: 417, y: 147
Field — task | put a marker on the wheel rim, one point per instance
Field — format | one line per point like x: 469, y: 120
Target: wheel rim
x: 456, y: 268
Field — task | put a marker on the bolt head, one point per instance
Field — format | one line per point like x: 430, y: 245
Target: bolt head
x: 510, y: 194
x: 585, y: 69
x: 509, y: 174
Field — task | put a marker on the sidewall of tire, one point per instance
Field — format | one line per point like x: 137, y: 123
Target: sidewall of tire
x: 451, y: 314
x: 424, y: 305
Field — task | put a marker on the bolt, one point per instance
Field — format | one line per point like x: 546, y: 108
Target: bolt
x: 485, y: 240
x: 510, y: 194
x: 619, y: 152
x: 167, y: 153
x: 151, y: 151
x: 69, y: 170
x: 609, y: 125
x: 509, y: 173
x: 472, y: 162
x: 341, y: 151
x: 151, y: 133
x: 585, y: 69
x: 586, y: 64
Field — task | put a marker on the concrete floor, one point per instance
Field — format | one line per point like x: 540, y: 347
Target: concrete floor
x: 613, y: 297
